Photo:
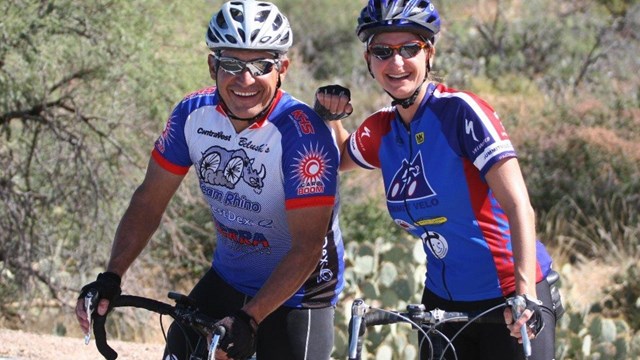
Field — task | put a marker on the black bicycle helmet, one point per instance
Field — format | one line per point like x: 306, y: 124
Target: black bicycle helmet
x: 417, y: 16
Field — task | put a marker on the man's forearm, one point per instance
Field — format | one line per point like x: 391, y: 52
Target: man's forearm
x: 294, y: 269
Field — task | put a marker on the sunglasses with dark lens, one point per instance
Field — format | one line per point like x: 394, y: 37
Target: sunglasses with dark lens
x: 407, y: 51
x: 235, y: 66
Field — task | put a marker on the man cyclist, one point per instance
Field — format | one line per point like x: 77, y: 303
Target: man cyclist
x: 452, y: 180
x: 267, y: 167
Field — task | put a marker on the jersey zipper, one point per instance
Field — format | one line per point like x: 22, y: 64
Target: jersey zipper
x: 408, y: 210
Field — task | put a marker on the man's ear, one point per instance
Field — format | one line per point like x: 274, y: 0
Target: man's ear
x: 212, y: 66
x: 284, y: 65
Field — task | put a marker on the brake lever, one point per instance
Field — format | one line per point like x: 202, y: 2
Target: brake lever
x: 218, y: 334
x: 90, y: 304
x: 518, y: 305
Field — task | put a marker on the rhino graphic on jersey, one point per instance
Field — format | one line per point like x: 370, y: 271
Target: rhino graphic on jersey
x: 220, y: 166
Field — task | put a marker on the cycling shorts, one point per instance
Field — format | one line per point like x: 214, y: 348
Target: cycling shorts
x: 287, y: 333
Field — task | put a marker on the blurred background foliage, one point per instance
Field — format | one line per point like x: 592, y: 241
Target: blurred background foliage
x: 85, y: 88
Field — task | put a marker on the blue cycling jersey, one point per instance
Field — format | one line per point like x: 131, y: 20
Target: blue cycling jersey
x: 288, y: 160
x: 433, y: 175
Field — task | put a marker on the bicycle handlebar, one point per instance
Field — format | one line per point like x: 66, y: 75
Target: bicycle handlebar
x: 415, y: 314
x: 184, y: 311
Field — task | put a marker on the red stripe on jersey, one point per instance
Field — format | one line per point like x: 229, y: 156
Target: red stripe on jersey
x: 369, y: 134
x: 493, y: 235
x: 165, y: 164
x: 309, y: 202
x: 491, y: 115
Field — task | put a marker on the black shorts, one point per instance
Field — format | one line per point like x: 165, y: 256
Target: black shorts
x: 287, y: 333
x: 491, y: 341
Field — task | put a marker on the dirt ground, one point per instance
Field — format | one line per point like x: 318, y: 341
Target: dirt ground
x: 18, y: 345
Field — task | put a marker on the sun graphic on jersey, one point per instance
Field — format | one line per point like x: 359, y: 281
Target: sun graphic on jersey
x: 311, y: 166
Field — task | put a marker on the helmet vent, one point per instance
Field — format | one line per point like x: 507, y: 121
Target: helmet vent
x: 261, y: 16
x: 221, y: 22
x: 230, y: 39
x: 237, y: 15
x: 277, y: 22
x: 254, y: 34
x: 212, y: 37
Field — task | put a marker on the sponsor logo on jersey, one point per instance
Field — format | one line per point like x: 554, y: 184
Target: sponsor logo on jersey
x: 324, y: 274
x: 165, y: 137
x: 468, y: 129
x: 214, y: 134
x: 230, y: 215
x: 243, y: 237
x: 222, y: 167
x: 403, y: 224
x: 310, y: 170
x: 433, y: 221
x: 230, y: 199
x: 410, y: 182
x: 248, y: 144
x: 301, y: 120
x: 436, y: 243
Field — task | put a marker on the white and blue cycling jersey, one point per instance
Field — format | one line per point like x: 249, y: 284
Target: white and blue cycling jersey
x: 287, y: 160
x: 433, y: 173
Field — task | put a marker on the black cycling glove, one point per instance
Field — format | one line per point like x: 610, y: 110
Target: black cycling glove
x: 331, y: 90
x: 523, y: 302
x: 239, y: 341
x: 106, y: 286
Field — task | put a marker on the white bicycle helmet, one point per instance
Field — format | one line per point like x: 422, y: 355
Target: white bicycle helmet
x: 251, y: 25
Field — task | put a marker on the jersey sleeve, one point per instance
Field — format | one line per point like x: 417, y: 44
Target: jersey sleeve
x: 310, y: 160
x: 483, y: 138
x: 170, y: 150
x: 364, y: 143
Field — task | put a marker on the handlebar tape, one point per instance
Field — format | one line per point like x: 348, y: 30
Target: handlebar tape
x: 374, y: 317
x: 101, y: 338
x: 99, y: 331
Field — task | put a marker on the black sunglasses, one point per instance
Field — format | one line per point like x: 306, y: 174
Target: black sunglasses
x: 407, y: 51
x: 235, y: 66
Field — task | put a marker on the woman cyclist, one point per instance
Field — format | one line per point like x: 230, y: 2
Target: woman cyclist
x: 452, y: 179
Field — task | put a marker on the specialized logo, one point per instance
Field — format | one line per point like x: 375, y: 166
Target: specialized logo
x: 436, y: 243
x: 468, y: 128
x: 310, y: 169
x: 219, y: 166
x: 410, y: 182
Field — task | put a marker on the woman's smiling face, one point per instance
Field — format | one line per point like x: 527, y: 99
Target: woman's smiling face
x: 398, y: 75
